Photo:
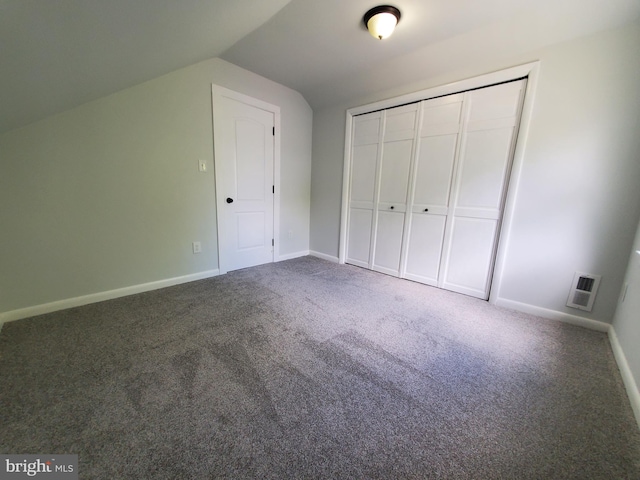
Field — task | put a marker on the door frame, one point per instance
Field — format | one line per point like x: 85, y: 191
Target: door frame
x: 216, y: 91
x: 528, y: 70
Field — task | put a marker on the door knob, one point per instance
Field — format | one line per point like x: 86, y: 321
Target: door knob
x: 426, y: 209
x: 229, y: 200
x: 391, y: 207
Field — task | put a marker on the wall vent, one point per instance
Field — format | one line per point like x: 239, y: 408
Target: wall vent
x: 583, y: 291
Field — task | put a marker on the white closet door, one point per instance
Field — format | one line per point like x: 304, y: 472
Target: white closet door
x: 395, y: 165
x: 428, y: 185
x: 367, y: 131
x: 491, y: 119
x: 433, y: 172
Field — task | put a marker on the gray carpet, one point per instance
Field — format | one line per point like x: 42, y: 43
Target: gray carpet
x: 307, y: 369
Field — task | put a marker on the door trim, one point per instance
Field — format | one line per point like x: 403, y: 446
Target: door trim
x: 529, y: 70
x: 217, y: 90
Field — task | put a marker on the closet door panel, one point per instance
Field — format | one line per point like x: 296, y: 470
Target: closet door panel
x: 363, y: 174
x: 394, y: 175
x: 359, y: 244
x: 425, y: 246
x: 484, y: 166
x: 433, y: 173
x: 471, y: 255
x: 439, y: 113
x: 499, y: 101
x: 434, y: 170
x: 401, y: 123
x: 367, y: 131
x: 388, y: 242
x: 481, y: 181
x: 367, y: 128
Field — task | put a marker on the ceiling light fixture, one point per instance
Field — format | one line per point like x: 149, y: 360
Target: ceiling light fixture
x: 381, y: 20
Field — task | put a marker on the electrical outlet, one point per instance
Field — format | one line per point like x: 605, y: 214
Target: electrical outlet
x: 197, y: 247
x: 202, y: 165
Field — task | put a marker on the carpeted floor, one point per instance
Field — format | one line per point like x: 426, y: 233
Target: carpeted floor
x: 308, y: 369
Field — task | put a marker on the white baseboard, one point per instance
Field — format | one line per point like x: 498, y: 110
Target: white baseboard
x: 324, y: 256
x: 101, y: 296
x: 554, y: 315
x: 290, y: 256
x: 627, y: 376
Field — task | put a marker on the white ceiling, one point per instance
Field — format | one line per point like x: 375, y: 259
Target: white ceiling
x: 55, y: 55
x: 321, y: 49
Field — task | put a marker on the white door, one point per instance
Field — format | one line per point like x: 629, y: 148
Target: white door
x: 364, y: 167
x: 491, y: 120
x: 427, y: 187
x: 395, y: 164
x: 440, y: 126
x: 244, y: 148
x: 381, y: 163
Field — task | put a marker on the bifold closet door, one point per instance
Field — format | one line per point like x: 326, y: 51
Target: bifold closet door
x: 380, y: 167
x: 428, y: 185
x: 491, y: 119
x: 367, y: 130
x: 395, y: 164
x: 440, y: 127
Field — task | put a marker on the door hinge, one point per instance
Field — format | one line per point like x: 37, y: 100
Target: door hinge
x: 274, y: 131
x: 273, y: 243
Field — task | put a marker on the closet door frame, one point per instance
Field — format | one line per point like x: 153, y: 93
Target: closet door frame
x: 530, y: 71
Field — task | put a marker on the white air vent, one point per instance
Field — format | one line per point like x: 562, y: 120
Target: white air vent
x: 583, y: 291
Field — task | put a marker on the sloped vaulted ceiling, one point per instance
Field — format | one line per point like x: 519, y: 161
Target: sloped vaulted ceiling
x: 55, y: 55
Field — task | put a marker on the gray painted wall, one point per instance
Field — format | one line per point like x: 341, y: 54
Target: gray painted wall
x: 578, y: 200
x: 108, y: 195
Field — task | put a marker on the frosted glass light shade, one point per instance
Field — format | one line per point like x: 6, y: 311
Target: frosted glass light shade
x: 381, y: 20
x: 382, y: 25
